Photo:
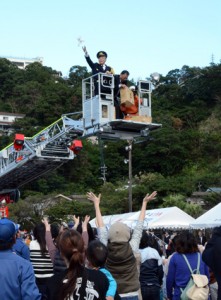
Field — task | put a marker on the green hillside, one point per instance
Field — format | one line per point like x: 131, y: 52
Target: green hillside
x: 184, y: 153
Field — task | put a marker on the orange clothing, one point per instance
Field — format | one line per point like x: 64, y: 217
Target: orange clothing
x: 133, y: 109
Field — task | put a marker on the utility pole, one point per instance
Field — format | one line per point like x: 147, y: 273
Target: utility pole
x: 129, y: 161
x: 130, y: 178
x: 103, y: 167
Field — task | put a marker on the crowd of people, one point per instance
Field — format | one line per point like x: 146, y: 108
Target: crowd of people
x: 73, y: 261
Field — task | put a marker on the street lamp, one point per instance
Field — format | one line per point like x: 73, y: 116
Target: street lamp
x: 129, y: 161
x: 155, y: 76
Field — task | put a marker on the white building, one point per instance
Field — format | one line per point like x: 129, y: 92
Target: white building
x: 7, y: 120
x: 22, y: 63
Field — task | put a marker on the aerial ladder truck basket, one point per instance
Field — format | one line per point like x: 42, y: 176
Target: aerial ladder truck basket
x: 99, y: 111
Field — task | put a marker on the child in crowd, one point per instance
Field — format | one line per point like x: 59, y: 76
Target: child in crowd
x: 97, y: 256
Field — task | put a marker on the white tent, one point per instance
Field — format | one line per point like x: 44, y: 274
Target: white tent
x: 169, y: 217
x: 110, y: 219
x: 212, y: 218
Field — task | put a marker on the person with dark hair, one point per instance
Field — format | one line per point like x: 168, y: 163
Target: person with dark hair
x: 133, y: 110
x: 201, y: 239
x: 211, y: 256
x: 97, y: 257
x: 20, y: 247
x: 120, y: 82
x: 52, y: 241
x: 99, y: 67
x: 90, y: 231
x: 16, y: 273
x: 178, y: 271
x: 171, y: 246
x: 28, y: 239
x: 122, y: 246
x: 151, y: 269
x: 77, y: 282
x: 40, y: 258
x: 166, y: 237
x: 51, y: 236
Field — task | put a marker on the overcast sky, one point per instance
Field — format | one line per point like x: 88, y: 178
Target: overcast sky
x: 141, y: 36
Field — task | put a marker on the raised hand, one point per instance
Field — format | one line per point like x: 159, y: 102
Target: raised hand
x: 84, y: 49
x: 85, y: 222
x: 95, y: 199
x: 47, y: 225
x: 76, y: 221
x: 86, y: 219
x: 149, y: 197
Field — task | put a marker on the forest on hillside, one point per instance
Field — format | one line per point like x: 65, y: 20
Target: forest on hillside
x: 178, y: 158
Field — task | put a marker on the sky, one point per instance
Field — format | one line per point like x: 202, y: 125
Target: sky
x: 141, y: 36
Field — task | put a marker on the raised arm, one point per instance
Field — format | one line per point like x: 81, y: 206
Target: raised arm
x: 49, y: 241
x: 85, y: 50
x: 87, y: 57
x: 137, y: 233
x: 84, y: 231
x: 96, y: 200
x: 76, y: 222
x: 102, y: 230
x: 146, y: 199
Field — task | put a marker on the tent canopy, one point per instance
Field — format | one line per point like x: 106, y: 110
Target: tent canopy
x: 168, y: 218
x: 212, y: 218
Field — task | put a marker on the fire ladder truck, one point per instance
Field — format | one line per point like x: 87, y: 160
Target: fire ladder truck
x: 26, y: 159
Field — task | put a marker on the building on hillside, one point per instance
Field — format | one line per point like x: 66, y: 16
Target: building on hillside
x: 197, y: 198
x: 22, y: 63
x: 6, y: 122
x: 216, y: 190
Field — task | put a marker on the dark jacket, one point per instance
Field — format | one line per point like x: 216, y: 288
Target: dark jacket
x: 90, y: 285
x: 117, y: 82
x: 96, y: 67
x: 151, y: 273
x: 59, y: 263
x: 212, y: 253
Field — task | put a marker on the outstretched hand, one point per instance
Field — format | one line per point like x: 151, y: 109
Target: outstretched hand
x: 84, y: 49
x: 86, y: 219
x: 47, y: 225
x: 92, y: 197
x: 76, y: 221
x: 85, y: 222
x: 149, y: 197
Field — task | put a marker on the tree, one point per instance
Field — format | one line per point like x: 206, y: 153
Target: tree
x: 76, y: 75
x: 179, y: 200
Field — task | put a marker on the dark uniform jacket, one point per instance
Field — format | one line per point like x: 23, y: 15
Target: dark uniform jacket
x: 117, y: 82
x: 96, y: 67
